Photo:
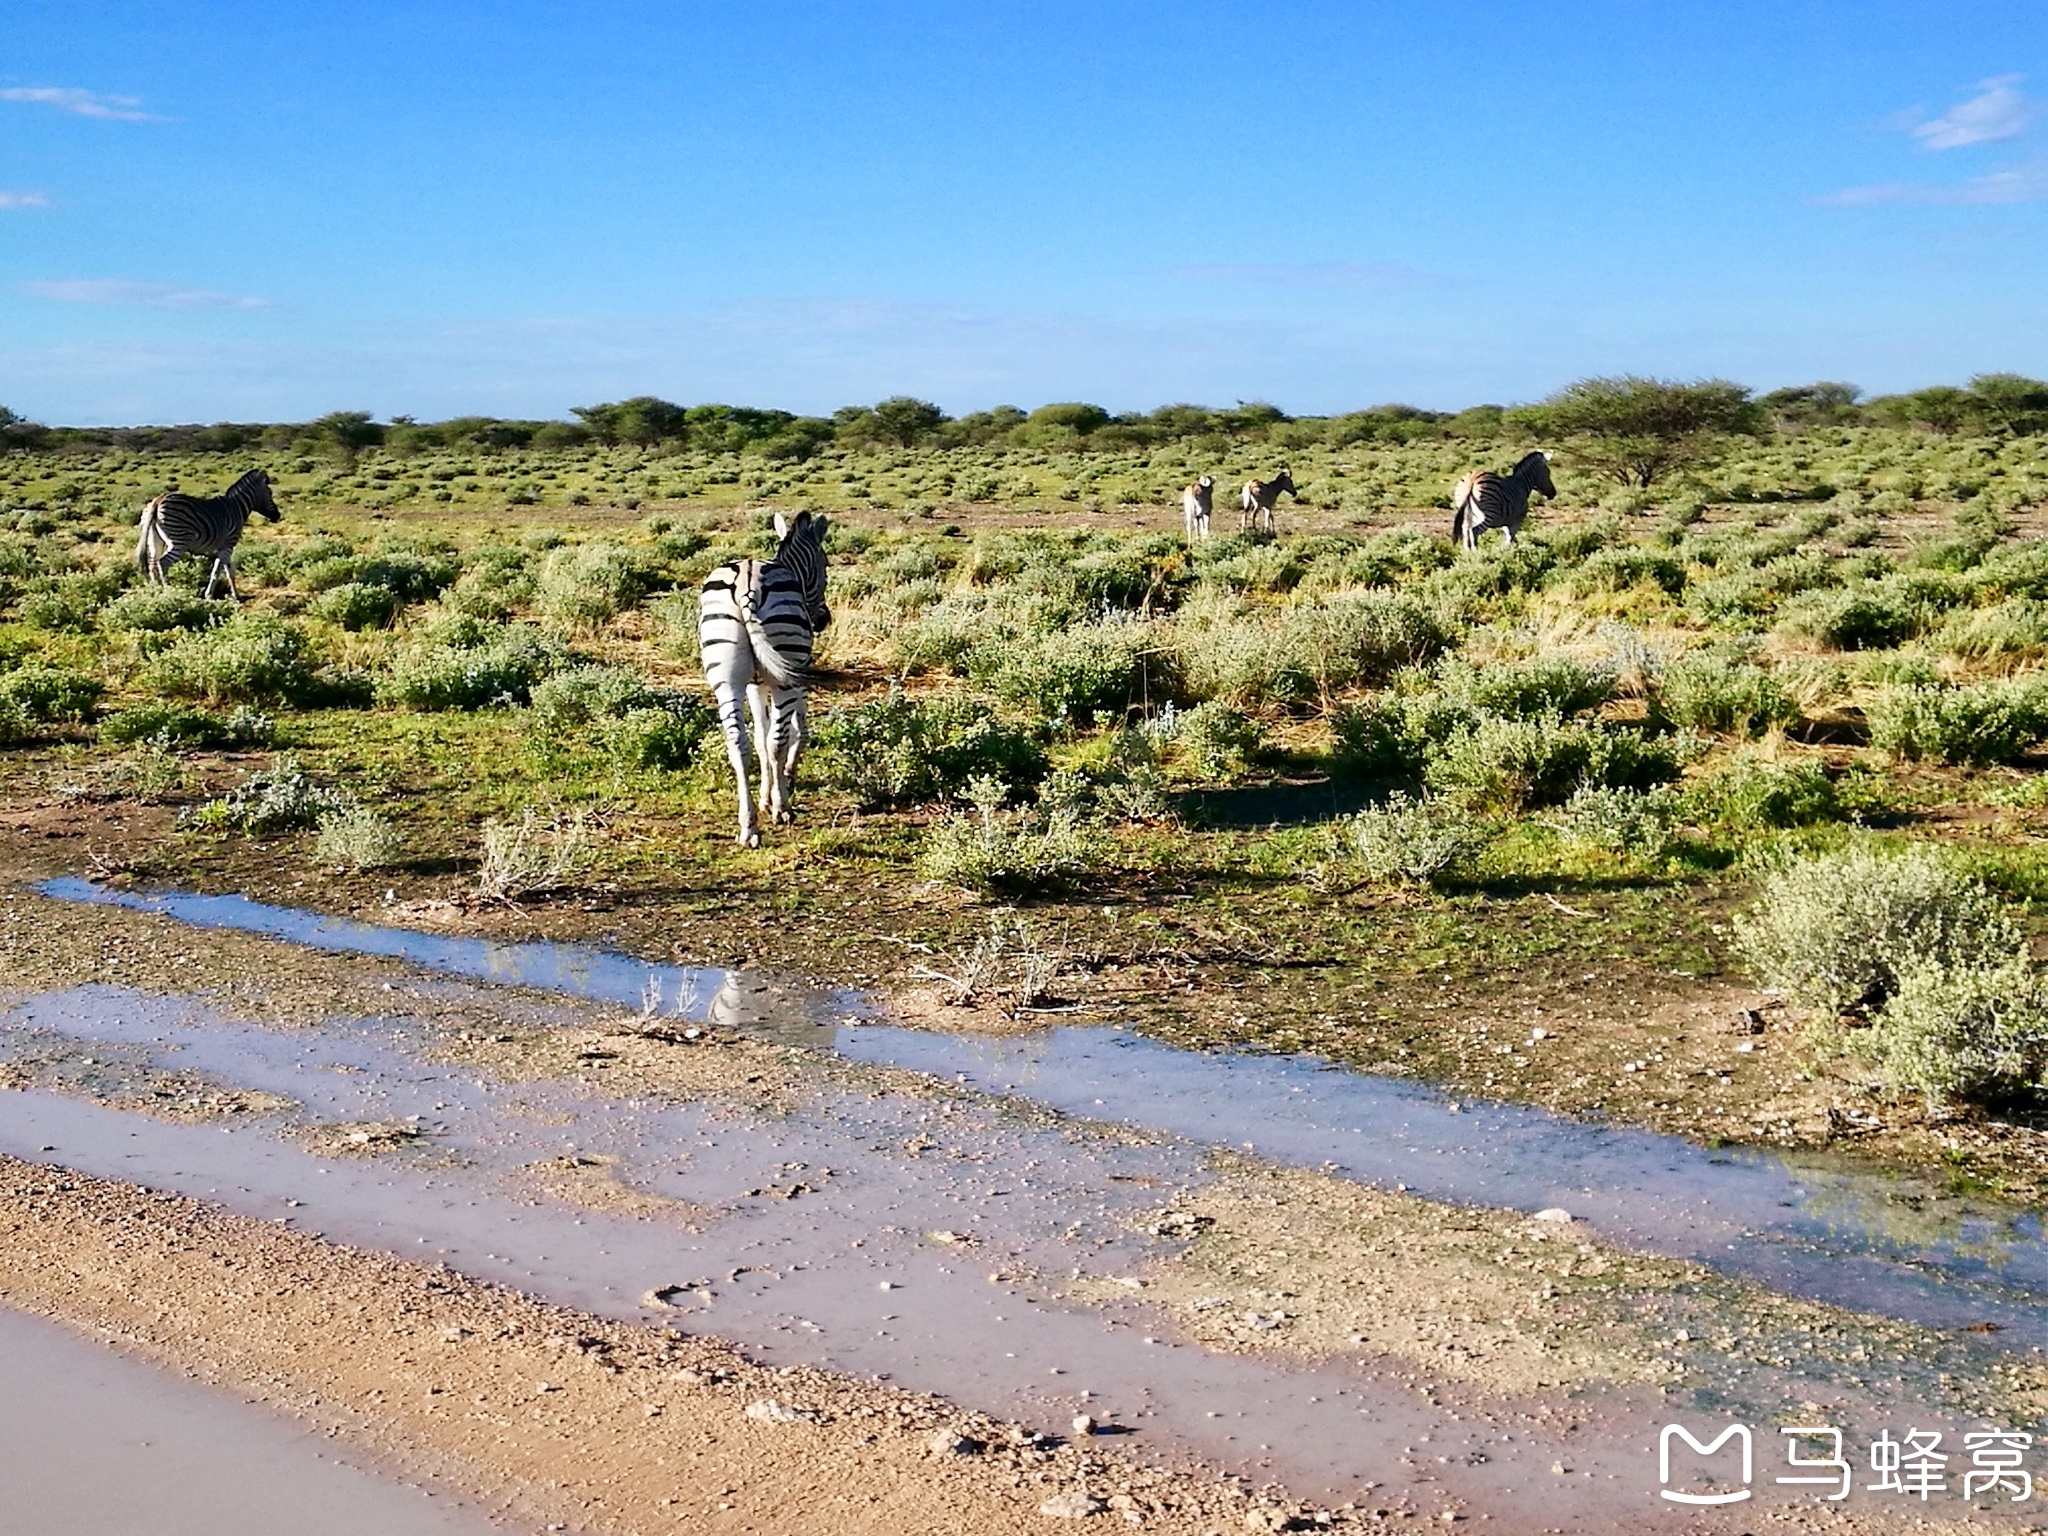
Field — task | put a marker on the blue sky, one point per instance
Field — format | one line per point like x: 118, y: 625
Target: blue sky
x: 269, y: 211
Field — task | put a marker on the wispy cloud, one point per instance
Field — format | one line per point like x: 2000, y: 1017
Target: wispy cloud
x: 10, y: 201
x: 122, y: 290
x: 1371, y: 276
x: 1999, y: 110
x: 2025, y: 183
x: 69, y: 98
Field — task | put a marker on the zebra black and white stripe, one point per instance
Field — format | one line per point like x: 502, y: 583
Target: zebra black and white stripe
x: 1255, y: 501
x: 1484, y: 500
x: 1195, y: 502
x: 756, y: 624
x: 176, y: 525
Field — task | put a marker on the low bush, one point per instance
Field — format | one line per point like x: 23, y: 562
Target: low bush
x: 1961, y: 1032
x: 169, y: 725
x: 1499, y: 764
x: 2016, y: 627
x: 1641, y: 823
x: 253, y: 658
x: 1867, y: 616
x: 580, y: 697
x: 280, y: 798
x: 356, y: 605
x: 590, y: 583
x: 1707, y: 692
x: 46, y: 694
x: 1548, y: 685
x: 903, y: 751
x: 1315, y: 650
x: 1755, y: 792
x: 1989, y: 723
x: 156, y: 610
x: 532, y: 855
x: 1622, y: 566
x: 1389, y: 739
x: 1218, y: 741
x: 474, y: 668
x: 1075, y: 675
x: 1408, y: 839
x: 663, y: 735
x: 1839, y: 931
x: 357, y: 838
x: 1017, y: 851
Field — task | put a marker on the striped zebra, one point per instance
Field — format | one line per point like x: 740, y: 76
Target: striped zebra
x: 1484, y: 500
x: 176, y: 525
x: 1255, y: 501
x: 1195, y: 501
x: 756, y: 624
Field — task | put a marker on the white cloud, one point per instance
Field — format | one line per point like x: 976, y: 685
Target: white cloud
x: 122, y: 290
x: 67, y: 98
x: 1999, y: 110
x: 1372, y: 276
x: 2023, y: 183
x: 16, y: 200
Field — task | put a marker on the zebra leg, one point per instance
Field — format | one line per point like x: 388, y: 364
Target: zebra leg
x: 732, y: 720
x: 760, y: 705
x: 228, y: 564
x: 784, y: 745
x: 212, y: 578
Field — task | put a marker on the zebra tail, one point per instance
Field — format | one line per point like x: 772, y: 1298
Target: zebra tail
x: 770, y: 659
x: 146, y: 534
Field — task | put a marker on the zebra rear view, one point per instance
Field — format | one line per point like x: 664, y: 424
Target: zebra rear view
x: 176, y: 525
x: 757, y: 623
x: 1484, y: 500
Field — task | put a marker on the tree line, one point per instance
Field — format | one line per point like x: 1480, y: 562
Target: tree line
x: 1635, y: 428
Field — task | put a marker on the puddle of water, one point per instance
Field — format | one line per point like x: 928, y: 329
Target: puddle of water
x: 1847, y: 1238
x: 94, y: 1443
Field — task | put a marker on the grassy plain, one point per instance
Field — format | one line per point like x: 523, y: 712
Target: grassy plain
x: 1349, y: 791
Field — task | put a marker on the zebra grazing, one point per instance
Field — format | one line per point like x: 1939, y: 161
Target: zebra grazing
x: 1195, y: 501
x: 755, y: 627
x: 1255, y: 501
x: 1484, y: 500
x: 176, y: 525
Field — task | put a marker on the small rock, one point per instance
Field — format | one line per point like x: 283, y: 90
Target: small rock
x: 1539, y: 1034
x: 1268, y: 1520
x: 1557, y: 1469
x: 1084, y: 1424
x: 954, y: 1239
x: 1555, y: 1213
x: 1745, y: 1048
x: 886, y: 1285
x: 769, y: 1411
x: 1072, y: 1506
x: 947, y: 1442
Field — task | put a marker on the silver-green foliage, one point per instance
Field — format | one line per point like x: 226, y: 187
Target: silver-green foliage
x: 1841, y: 930
x: 356, y: 837
x: 1960, y: 1032
x: 1989, y: 723
x: 995, y: 849
x: 1409, y: 839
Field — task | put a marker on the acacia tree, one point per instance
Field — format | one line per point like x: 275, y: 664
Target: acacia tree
x: 1639, y: 429
x: 907, y: 421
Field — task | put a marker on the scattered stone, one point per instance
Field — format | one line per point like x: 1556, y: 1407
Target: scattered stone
x: 1268, y: 1520
x: 1072, y: 1506
x: 1084, y: 1424
x: 1555, y: 1213
x: 769, y: 1411
x: 955, y: 1239
x: 948, y: 1442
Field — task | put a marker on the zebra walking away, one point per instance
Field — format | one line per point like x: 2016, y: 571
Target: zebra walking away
x: 176, y: 525
x: 1484, y: 500
x: 1255, y: 501
x: 756, y: 624
x: 1195, y: 501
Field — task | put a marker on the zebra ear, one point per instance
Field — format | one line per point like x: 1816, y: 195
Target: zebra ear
x: 821, y: 525
x: 781, y: 526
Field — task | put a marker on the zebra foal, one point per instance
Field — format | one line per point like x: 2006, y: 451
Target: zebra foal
x: 1255, y: 501
x: 756, y: 623
x: 1484, y: 500
x: 1195, y: 502
x: 176, y: 525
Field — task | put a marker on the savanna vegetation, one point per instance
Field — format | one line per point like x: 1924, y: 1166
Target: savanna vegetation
x: 1759, y: 701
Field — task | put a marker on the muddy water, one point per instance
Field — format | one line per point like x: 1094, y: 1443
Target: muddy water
x: 1802, y: 1227
x: 93, y: 1443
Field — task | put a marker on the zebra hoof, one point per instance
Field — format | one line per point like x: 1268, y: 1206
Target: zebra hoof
x: 750, y: 839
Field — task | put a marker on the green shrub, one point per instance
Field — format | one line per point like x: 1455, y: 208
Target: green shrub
x: 664, y: 735
x: 1630, y: 822
x: 1390, y: 739
x: 1016, y: 851
x: 1967, y: 1032
x: 1755, y: 792
x: 156, y: 610
x: 1837, y: 931
x: 1620, y: 567
x: 1405, y: 839
x: 46, y: 694
x: 1512, y: 765
x: 590, y: 583
x: 1218, y: 740
x: 1073, y: 675
x: 1707, y: 692
x: 497, y: 667
x: 357, y: 838
x: 1548, y: 685
x: 1315, y: 650
x: 15, y: 726
x: 1862, y: 617
x: 256, y: 658
x: 1990, y: 723
x: 495, y: 580
x: 70, y: 602
x: 579, y: 697
x: 2016, y: 627
x: 167, y: 724
x: 280, y: 798
x: 903, y: 751
x: 357, y: 605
